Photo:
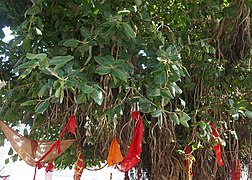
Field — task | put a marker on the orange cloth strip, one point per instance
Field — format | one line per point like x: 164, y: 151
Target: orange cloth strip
x: 115, y: 155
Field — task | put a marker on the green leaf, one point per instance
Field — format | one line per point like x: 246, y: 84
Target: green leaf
x: 242, y: 104
x: 73, y: 43
x: 175, y: 118
x: 25, y: 73
x: 160, y: 78
x: 10, y: 152
x: 183, y: 103
x: 25, y: 132
x: 102, y: 70
x: 29, y: 64
x: 166, y: 93
x: 97, y: 97
x: 183, y: 118
x: 222, y: 142
x: 104, y: 60
x: 215, y: 142
x: 231, y: 102
x: 42, y: 91
x: 145, y: 105
x: 84, y: 48
x: 155, y: 92
x: 85, y: 32
x: 118, y: 63
x: 128, y: 30
x: 203, y: 125
x: 196, y: 146
x: 60, y: 61
x: 61, y: 95
x: 14, y: 157
x: 33, y: 10
x: 86, y: 88
x: 120, y: 73
x: 39, y: 56
x: 156, y: 113
x: 111, y: 30
x: 138, y: 2
x: 6, y: 161
x: 248, y: 114
x: 175, y: 69
x: 177, y: 89
x: 43, y: 64
x: 162, y: 53
x: 42, y: 107
x: 28, y: 103
x: 58, y: 92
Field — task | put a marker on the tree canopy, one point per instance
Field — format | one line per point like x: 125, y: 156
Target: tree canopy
x: 181, y: 63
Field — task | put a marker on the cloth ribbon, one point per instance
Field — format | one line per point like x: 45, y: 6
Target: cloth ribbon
x: 72, y: 124
x: 236, y: 170
x: 115, y: 155
x: 218, y: 146
x: 49, y: 167
x: 132, y: 157
x: 189, y: 161
x: 78, y: 167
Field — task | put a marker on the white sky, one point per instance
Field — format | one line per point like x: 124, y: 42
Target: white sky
x: 21, y: 170
x: 7, y: 33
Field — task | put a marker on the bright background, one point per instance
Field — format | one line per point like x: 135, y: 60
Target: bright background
x: 22, y: 171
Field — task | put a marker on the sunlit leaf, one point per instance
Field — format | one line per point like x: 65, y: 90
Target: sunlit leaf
x: 97, y: 97
x: 42, y: 107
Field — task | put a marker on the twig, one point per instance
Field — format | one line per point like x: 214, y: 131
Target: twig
x: 54, y: 74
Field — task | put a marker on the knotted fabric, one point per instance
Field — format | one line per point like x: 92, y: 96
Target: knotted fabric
x: 37, y: 153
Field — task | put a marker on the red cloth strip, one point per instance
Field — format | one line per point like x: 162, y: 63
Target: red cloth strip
x: 217, y: 147
x: 132, y: 158
x: 236, y: 170
x: 187, y: 152
x: 72, y: 124
x: 49, y: 167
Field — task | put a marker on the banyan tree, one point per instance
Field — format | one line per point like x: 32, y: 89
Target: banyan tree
x: 182, y: 67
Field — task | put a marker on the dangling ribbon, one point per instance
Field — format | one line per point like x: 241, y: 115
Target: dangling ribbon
x: 49, y: 167
x: 115, y: 155
x: 132, y: 157
x: 188, y: 161
x: 78, y: 167
x: 236, y: 170
x: 217, y: 147
x: 72, y: 124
